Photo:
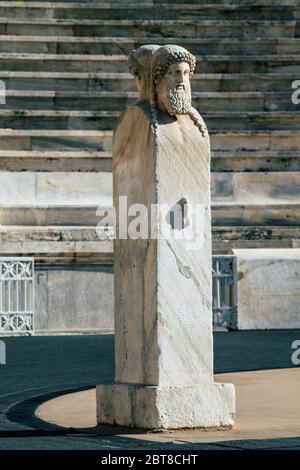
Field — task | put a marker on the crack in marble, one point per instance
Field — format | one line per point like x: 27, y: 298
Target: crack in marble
x: 184, y: 270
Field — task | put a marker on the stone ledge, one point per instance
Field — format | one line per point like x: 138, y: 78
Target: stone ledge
x: 58, y: 252
x: 222, y: 141
x: 230, y: 214
x: 35, y: 239
x: 268, y: 287
x: 217, y: 121
x: 206, y: 28
x: 262, y: 63
x: 64, y: 332
x: 143, y: 22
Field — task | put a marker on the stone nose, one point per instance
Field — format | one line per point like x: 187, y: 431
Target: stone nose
x: 180, y: 77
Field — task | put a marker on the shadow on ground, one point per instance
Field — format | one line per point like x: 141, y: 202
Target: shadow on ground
x: 40, y: 368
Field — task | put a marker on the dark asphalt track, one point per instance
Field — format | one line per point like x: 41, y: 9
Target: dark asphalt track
x: 39, y: 368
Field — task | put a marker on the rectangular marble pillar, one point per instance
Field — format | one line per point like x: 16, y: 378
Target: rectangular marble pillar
x: 163, y: 308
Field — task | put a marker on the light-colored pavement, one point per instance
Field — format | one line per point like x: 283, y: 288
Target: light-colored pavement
x: 268, y: 406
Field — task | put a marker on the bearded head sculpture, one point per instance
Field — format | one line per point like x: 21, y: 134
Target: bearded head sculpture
x: 171, y: 71
x: 172, y: 68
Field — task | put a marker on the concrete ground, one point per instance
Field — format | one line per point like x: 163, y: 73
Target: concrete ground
x: 268, y: 407
x: 41, y: 368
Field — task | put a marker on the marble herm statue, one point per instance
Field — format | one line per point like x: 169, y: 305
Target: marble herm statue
x: 163, y: 305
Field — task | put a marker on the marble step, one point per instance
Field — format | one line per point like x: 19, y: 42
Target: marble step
x: 58, y: 244
x: 61, y: 252
x: 93, y: 161
x: 57, y: 120
x: 106, y: 120
x: 106, y: 81
x: 21, y: 234
x: 280, y: 214
x: 101, y: 252
x: 256, y: 141
x: 55, y: 161
x: 32, y: 188
x: 252, y: 120
x: 189, y: 2
x: 67, y: 188
x: 17, y: 234
x: 286, y: 214
x: 121, y: 45
x: 224, y: 239
x: 265, y: 63
x: 255, y: 161
x: 87, y: 140
x: 49, y: 215
x: 144, y: 11
x: 248, y: 188
x: 37, y: 234
x: 117, y: 101
x: 55, y: 140
x: 243, y: 29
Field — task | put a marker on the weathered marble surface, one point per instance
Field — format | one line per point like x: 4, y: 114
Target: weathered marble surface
x: 256, y: 187
x: 164, y: 327
x: 34, y: 188
x: 67, y: 298
x: 163, y: 322
x: 208, y: 405
x: 268, y: 288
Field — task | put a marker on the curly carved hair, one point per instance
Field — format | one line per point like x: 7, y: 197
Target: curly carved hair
x: 168, y: 55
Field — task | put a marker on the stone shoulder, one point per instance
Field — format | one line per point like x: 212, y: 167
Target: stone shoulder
x: 135, y: 112
x: 129, y: 125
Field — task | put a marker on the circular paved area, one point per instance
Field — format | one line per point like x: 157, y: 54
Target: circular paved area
x: 268, y: 407
x: 41, y: 368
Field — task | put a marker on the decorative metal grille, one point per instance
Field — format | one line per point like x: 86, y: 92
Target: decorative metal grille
x: 224, y: 292
x: 16, y: 294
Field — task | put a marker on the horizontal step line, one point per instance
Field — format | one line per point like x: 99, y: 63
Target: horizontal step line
x: 78, y: 154
x: 109, y: 133
x: 132, y: 94
x: 264, y: 204
x: 166, y: 40
x: 93, y: 207
x: 118, y: 58
x: 54, y: 133
x: 54, y: 154
x: 76, y: 228
x: 126, y: 76
x: 47, y: 112
x: 210, y: 115
x: 42, y: 228
x: 129, y: 6
x: 256, y: 154
x: 273, y: 228
x: 26, y: 56
x: 88, y: 22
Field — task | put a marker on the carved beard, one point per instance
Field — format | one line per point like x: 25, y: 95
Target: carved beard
x: 178, y: 101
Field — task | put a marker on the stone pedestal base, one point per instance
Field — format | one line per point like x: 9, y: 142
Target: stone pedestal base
x: 207, y: 405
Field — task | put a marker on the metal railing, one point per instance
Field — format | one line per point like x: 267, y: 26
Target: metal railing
x: 16, y: 294
x: 224, y: 292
